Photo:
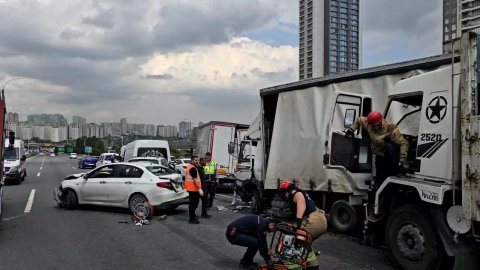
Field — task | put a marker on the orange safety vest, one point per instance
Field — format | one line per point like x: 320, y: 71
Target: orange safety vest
x: 189, y: 184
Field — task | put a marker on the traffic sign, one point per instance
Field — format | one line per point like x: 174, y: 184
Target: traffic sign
x: 88, y: 149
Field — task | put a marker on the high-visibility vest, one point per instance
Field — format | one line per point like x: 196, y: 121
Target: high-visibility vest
x: 189, y: 180
x: 210, y: 168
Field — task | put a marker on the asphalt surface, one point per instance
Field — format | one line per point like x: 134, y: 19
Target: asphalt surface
x: 47, y: 237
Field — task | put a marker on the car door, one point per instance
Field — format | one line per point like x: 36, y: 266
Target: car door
x: 125, y: 177
x: 94, y: 189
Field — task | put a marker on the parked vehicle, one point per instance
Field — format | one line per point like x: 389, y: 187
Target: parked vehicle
x: 181, y: 164
x: 122, y: 185
x: 149, y: 161
x: 106, y: 158
x: 217, y: 137
x: 146, y: 148
x: 73, y: 155
x: 87, y: 162
x: 15, y: 162
x: 425, y: 217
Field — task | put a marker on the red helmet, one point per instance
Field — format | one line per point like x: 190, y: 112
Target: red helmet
x: 286, y: 185
x: 374, y: 118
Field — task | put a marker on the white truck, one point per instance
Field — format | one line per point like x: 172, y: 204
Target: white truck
x: 222, y: 139
x: 15, y: 162
x: 428, y: 218
x: 146, y: 148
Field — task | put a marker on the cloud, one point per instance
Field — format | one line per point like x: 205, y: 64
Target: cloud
x: 158, y: 76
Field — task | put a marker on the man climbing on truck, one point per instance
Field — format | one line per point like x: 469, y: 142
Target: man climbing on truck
x: 387, y: 142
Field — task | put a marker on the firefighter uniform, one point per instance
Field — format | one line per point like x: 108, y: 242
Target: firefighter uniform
x: 387, y: 142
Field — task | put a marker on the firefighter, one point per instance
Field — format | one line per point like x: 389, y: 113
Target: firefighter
x: 307, y: 215
x: 210, y: 169
x: 193, y: 185
x: 387, y: 142
x: 251, y: 231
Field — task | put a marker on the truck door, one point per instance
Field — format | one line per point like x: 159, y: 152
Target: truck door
x: 354, y: 154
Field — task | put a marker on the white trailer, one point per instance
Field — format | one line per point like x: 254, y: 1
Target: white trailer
x: 222, y: 139
x: 427, y: 217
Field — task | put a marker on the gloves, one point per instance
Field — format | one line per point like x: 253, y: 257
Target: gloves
x: 349, y: 131
x: 270, y: 265
x: 404, y: 163
x: 200, y: 191
x: 298, y: 224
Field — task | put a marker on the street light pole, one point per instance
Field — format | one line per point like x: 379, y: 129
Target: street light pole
x: 5, y: 84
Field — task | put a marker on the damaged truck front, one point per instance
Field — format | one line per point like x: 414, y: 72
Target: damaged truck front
x: 428, y: 216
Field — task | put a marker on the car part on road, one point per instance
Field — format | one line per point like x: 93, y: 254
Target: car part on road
x: 343, y: 217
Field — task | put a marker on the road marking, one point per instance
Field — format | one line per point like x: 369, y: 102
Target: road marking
x: 38, y: 174
x: 41, y: 168
x: 73, y: 168
x: 221, y: 195
x: 28, y: 208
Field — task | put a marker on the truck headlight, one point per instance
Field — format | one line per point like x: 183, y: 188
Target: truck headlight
x: 13, y: 169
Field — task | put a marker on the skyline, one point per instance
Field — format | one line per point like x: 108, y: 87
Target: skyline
x: 172, y: 60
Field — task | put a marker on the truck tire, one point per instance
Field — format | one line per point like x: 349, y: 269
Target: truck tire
x: 71, y: 200
x: 257, y: 206
x: 412, y: 241
x: 343, y: 217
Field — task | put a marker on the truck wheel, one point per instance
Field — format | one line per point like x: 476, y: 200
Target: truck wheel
x: 343, y: 216
x: 412, y: 241
x: 71, y: 200
x: 256, y: 202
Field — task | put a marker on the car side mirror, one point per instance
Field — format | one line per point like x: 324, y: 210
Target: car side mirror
x: 85, y: 176
x: 24, y: 158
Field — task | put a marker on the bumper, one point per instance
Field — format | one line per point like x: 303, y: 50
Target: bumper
x: 9, y: 176
x: 226, y: 182
x: 89, y: 165
x: 163, y: 198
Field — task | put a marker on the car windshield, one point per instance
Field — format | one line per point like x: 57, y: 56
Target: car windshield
x: 186, y: 161
x: 11, y: 153
x: 159, y: 170
x: 144, y: 160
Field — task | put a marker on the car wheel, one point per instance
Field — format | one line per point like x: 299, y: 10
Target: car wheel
x: 71, y: 200
x: 412, y: 240
x: 18, y: 180
x: 135, y: 200
x: 343, y: 217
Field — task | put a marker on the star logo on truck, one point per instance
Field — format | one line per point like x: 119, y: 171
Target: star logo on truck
x: 436, y: 109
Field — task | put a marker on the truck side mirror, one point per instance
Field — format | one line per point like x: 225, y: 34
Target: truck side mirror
x: 231, y: 148
x: 24, y: 158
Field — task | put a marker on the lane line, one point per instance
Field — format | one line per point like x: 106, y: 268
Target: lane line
x: 28, y: 207
x: 41, y: 168
x: 221, y: 195
x: 38, y: 174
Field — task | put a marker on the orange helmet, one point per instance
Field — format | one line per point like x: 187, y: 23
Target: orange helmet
x: 374, y: 118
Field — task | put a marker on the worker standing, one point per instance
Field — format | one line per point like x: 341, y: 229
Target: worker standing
x: 203, y: 179
x: 193, y: 185
x: 307, y: 215
x: 387, y: 142
x: 211, y: 177
x: 251, y: 231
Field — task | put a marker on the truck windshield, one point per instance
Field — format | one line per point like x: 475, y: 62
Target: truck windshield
x: 247, y: 150
x: 11, y: 153
x: 405, y: 113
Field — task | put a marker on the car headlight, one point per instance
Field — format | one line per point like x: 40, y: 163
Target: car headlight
x: 13, y: 169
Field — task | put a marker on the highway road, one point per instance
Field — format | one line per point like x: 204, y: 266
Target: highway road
x: 35, y: 234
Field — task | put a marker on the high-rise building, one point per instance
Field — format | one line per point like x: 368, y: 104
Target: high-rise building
x: 150, y: 130
x: 459, y: 16
x: 123, y: 126
x: 73, y: 132
x: 12, y: 118
x: 184, y: 129
x: 78, y: 120
x: 329, y: 37
x: 47, y: 119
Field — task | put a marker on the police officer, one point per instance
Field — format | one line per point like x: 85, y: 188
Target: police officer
x: 203, y: 178
x: 307, y: 215
x: 251, y: 231
x: 210, y: 169
x: 386, y: 142
x: 193, y: 185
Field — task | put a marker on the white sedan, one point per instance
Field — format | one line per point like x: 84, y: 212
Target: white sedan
x: 181, y: 164
x: 123, y: 185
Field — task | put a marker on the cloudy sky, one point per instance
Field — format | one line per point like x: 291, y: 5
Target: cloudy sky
x: 165, y: 61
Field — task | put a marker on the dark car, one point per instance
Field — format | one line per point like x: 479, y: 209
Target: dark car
x: 87, y: 162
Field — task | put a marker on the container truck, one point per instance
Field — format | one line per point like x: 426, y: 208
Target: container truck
x: 222, y: 139
x: 2, y: 142
x: 428, y: 217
